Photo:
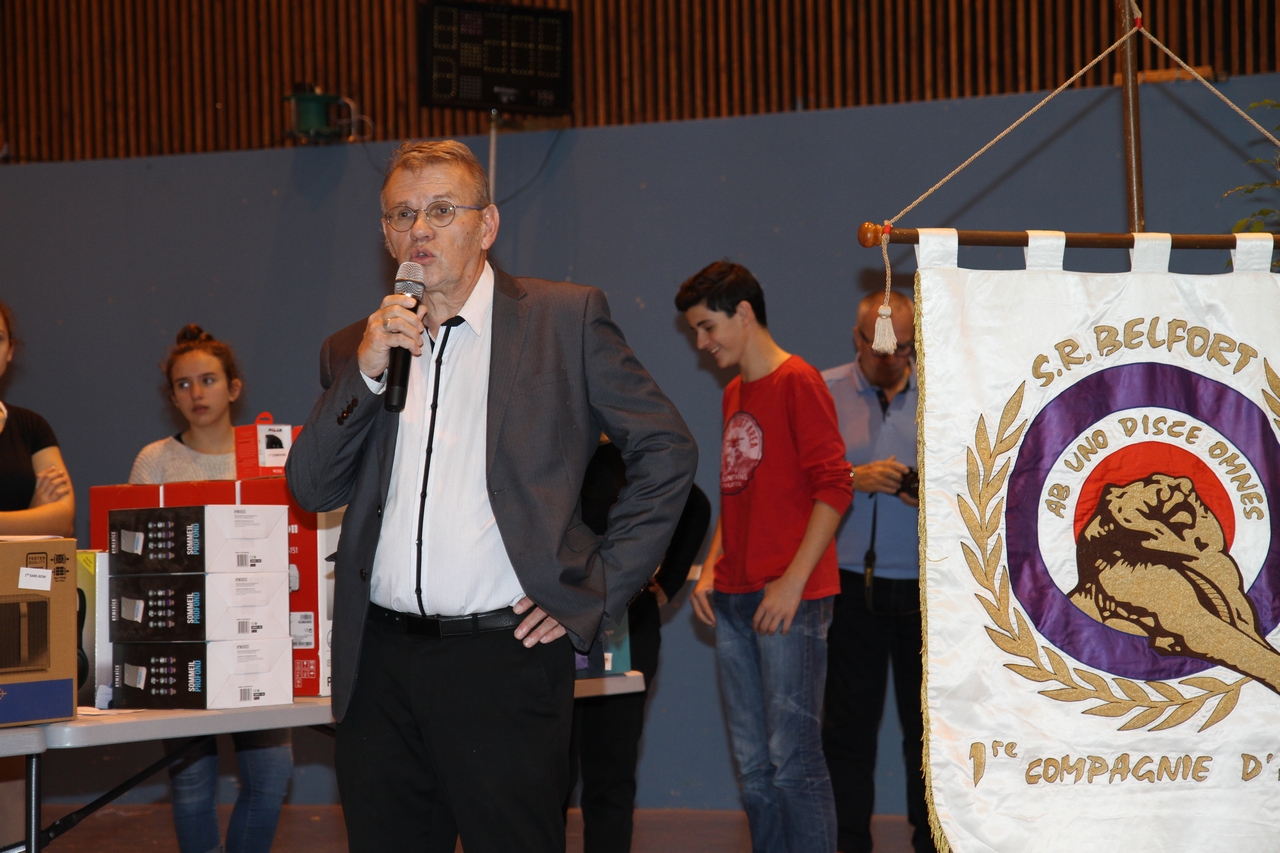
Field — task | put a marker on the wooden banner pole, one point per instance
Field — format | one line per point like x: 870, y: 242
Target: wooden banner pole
x: 869, y: 236
x: 1132, y: 119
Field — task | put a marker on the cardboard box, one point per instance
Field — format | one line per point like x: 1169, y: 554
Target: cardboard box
x: 88, y: 565
x: 203, y: 493
x: 313, y: 539
x: 330, y: 530
x: 219, y: 674
x: 616, y: 645
x: 199, y: 539
x: 103, y: 499
x: 610, y: 654
x: 98, y: 689
x: 311, y: 604
x: 37, y: 630
x: 262, y: 448
x: 173, y: 608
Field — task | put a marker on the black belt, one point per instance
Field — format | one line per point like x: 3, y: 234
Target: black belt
x: 447, y: 626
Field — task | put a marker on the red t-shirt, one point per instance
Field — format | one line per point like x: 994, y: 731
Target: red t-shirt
x: 781, y: 451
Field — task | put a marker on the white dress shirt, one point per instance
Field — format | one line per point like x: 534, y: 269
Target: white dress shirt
x: 465, y: 567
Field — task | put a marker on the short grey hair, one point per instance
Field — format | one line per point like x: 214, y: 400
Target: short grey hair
x: 416, y: 156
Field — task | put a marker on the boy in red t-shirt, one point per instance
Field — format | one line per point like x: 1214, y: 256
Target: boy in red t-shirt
x: 770, y: 578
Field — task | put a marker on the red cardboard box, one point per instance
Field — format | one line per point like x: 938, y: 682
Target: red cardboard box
x: 262, y: 447
x: 312, y: 538
x: 203, y: 493
x: 103, y: 499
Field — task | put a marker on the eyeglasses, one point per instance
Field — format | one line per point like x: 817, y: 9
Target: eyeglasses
x: 900, y: 351
x: 439, y: 214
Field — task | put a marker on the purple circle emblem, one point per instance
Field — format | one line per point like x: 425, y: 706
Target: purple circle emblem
x: 1057, y: 425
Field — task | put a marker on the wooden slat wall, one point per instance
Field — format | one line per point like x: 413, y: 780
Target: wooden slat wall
x: 121, y: 78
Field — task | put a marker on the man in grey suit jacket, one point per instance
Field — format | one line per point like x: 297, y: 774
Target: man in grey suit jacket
x: 465, y: 575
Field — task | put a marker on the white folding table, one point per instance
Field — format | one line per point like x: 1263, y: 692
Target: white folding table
x: 104, y: 728
x: 609, y: 685
x: 26, y: 740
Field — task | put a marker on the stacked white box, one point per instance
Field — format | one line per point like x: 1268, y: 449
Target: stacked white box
x: 198, y: 607
x: 216, y: 674
x: 199, y: 539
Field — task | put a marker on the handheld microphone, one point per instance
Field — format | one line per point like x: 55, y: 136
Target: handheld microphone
x: 409, y: 279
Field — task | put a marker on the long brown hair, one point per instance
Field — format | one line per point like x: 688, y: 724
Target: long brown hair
x: 7, y: 315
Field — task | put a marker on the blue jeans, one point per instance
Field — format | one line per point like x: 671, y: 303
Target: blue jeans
x: 266, y: 765
x: 772, y: 691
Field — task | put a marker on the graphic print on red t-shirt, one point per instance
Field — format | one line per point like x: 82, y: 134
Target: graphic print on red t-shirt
x: 741, y: 453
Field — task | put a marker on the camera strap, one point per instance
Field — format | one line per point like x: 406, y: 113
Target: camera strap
x: 869, y: 562
x: 869, y: 559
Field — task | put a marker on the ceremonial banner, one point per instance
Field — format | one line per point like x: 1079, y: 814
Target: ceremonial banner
x: 1100, y: 477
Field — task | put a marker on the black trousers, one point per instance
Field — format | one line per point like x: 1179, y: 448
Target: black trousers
x: 860, y: 646
x: 606, y: 741
x: 464, y: 736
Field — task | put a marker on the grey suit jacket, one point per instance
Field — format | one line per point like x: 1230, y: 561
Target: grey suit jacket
x: 560, y: 373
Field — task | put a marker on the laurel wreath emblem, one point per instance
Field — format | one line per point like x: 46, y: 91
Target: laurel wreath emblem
x: 1012, y: 633
x: 1273, y: 402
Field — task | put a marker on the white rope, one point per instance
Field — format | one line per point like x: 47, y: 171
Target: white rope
x: 884, y: 325
x: 1028, y: 114
x: 1212, y: 88
x: 884, y: 338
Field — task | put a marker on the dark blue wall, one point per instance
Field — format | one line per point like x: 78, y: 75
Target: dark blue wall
x: 103, y: 261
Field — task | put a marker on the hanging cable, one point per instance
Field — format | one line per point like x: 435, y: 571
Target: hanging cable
x: 545, y: 159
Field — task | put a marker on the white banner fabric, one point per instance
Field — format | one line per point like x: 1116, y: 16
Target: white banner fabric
x: 1100, y: 473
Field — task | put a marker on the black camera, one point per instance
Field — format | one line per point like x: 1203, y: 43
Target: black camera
x: 910, y: 485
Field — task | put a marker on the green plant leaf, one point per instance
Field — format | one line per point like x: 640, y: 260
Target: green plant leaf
x: 1265, y: 218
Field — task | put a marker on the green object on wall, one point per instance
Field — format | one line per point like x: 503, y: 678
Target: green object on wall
x: 309, y: 109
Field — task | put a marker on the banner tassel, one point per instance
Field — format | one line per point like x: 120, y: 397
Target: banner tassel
x: 885, y: 341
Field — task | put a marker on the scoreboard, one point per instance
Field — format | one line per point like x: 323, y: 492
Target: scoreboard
x: 492, y: 56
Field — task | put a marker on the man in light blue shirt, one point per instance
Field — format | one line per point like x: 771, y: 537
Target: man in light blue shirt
x: 877, y: 615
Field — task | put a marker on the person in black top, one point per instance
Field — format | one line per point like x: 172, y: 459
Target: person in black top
x: 607, y: 729
x: 35, y: 490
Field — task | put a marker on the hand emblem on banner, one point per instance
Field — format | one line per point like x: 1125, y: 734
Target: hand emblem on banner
x: 1153, y: 561
x: 1012, y: 633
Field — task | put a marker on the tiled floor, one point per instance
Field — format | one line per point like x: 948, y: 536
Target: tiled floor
x: 318, y: 829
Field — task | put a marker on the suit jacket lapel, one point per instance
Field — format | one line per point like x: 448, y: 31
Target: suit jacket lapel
x: 510, y: 312
x: 387, y: 429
